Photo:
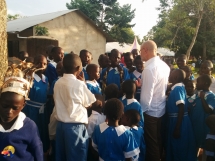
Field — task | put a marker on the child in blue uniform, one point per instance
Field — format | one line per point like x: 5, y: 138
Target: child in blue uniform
x: 207, y: 68
x: 190, y: 86
x: 96, y: 118
x: 86, y: 58
x: 128, y: 100
x: 19, y: 137
x: 135, y: 53
x: 50, y: 103
x: 57, y: 54
x: 111, y: 91
x: 181, y: 62
x: 203, y: 107
x: 128, y: 59
x: 180, y: 138
x: 136, y: 75
x: 111, y: 140
x: 71, y: 98
x: 35, y: 107
x: 59, y: 70
x: 131, y: 118
x: 188, y: 71
x: 103, y: 61
x: 210, y: 139
x: 114, y: 73
x: 93, y: 75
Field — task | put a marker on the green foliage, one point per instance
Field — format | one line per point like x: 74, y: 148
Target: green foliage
x: 109, y: 16
x: 177, y: 24
x: 41, y: 31
x: 13, y: 17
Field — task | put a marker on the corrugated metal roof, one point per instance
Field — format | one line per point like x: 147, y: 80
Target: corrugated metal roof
x: 26, y: 22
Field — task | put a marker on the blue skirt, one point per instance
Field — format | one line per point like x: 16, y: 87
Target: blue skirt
x: 183, y: 148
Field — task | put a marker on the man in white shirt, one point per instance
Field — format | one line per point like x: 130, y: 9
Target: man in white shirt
x: 152, y: 99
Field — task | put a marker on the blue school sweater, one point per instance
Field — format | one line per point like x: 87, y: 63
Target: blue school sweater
x: 84, y: 70
x: 51, y: 73
x: 21, y: 144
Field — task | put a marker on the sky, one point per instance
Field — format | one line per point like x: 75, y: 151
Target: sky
x: 146, y: 15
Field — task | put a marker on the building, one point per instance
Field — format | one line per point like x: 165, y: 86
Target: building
x: 73, y: 30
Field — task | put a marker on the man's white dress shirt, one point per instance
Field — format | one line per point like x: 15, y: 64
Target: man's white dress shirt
x: 154, y: 84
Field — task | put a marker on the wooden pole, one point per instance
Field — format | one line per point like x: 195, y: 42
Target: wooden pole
x: 3, y: 39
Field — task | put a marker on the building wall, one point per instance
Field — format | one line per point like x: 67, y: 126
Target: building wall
x: 74, y: 33
x: 19, y: 44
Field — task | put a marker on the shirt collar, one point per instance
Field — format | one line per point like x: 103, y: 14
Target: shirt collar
x: 193, y: 96
x: 129, y: 101
x: 37, y: 78
x: 85, y: 68
x: 18, y: 124
x: 135, y: 127
x: 95, y: 113
x: 93, y: 83
x: 69, y: 76
x: 151, y: 60
x: 137, y: 74
x: 119, y: 129
x: 111, y: 68
x: 177, y: 85
x: 53, y: 63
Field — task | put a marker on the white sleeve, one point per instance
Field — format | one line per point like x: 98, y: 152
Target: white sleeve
x: 91, y: 125
x: 52, y: 125
x: 88, y: 97
x: 147, y: 88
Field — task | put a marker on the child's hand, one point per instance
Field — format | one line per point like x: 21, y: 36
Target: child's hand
x: 176, y: 133
x: 202, y: 95
x: 138, y: 82
x: 81, y: 76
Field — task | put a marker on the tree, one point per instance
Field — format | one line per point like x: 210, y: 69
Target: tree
x: 180, y: 29
x: 13, y: 17
x: 3, y: 40
x: 109, y: 16
x: 41, y: 31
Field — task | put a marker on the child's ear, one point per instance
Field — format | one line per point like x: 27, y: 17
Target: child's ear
x: 78, y: 68
x: 23, y: 105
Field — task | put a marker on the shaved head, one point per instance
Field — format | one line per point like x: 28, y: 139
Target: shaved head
x: 150, y: 45
x: 148, y: 50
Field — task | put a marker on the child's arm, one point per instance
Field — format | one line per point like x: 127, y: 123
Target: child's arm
x: 205, y: 105
x: 52, y: 125
x: 176, y: 133
x: 35, y: 146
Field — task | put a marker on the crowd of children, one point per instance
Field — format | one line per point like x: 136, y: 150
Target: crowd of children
x: 79, y: 111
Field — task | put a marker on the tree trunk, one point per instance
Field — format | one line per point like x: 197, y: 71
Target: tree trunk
x: 204, y: 41
x: 195, y: 35
x: 3, y: 39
